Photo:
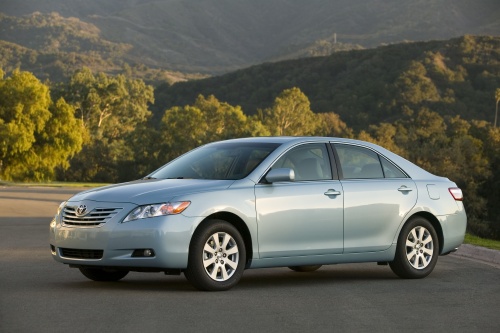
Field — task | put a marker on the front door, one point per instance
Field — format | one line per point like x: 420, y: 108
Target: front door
x: 305, y: 216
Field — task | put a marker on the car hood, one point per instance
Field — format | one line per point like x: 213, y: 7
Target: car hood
x: 142, y: 192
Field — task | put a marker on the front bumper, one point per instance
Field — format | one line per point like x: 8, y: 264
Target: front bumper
x: 168, y: 236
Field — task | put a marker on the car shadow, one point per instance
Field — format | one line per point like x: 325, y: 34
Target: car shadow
x: 325, y: 275
x: 251, y: 280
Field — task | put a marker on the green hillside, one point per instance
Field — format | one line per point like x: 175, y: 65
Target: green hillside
x: 53, y: 47
x: 217, y: 36
x: 454, y: 77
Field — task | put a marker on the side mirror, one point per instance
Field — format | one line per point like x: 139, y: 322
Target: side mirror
x: 280, y: 175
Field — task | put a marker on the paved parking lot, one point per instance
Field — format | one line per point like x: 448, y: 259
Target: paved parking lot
x: 39, y: 295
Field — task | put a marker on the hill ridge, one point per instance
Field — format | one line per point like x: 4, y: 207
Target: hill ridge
x: 217, y: 36
x: 366, y: 86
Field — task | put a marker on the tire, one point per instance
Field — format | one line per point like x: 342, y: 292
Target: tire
x: 417, y: 250
x: 308, y: 268
x: 216, y: 256
x: 99, y: 274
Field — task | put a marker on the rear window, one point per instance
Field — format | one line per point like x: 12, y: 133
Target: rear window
x: 362, y: 163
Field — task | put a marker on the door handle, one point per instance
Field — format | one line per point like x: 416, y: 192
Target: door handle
x: 404, y: 189
x: 332, y: 192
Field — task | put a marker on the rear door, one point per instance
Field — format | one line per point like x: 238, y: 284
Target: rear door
x: 377, y: 197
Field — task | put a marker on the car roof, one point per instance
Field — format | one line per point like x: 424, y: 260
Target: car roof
x: 292, y: 139
x: 414, y: 171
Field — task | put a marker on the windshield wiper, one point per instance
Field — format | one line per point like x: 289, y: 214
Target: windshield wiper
x: 148, y: 177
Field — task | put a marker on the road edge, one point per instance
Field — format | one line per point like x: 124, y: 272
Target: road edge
x: 479, y: 253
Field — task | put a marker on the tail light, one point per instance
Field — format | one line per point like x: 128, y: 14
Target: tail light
x: 456, y: 193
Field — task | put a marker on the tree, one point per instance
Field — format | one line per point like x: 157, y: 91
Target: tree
x: 497, y: 98
x: 385, y: 135
x: 224, y: 121
x: 36, y: 134
x: 490, y: 189
x: 110, y: 109
x: 415, y: 86
x: 330, y: 124
x: 290, y: 114
x: 108, y: 106
x: 207, y: 120
x: 182, y: 129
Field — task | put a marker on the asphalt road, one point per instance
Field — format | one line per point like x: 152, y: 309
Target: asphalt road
x: 38, y: 294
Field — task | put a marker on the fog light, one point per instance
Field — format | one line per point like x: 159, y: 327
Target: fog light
x: 143, y: 253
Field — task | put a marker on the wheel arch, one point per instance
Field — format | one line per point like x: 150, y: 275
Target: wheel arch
x: 435, y: 223
x: 240, y: 225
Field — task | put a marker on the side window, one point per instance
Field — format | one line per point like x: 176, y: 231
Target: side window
x: 390, y: 171
x: 309, y: 162
x: 359, y: 163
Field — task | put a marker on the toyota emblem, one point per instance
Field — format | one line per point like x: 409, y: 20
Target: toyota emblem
x: 81, y: 210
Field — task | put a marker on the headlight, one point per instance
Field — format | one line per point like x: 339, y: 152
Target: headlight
x: 169, y: 208
x: 61, y: 206
x: 56, y: 217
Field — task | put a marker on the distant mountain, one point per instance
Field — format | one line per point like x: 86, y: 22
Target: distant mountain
x: 53, y: 47
x: 216, y: 36
x: 454, y: 77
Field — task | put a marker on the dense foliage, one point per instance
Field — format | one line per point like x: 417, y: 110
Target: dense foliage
x: 436, y: 109
x: 36, y: 134
x: 111, y: 109
x: 455, y: 77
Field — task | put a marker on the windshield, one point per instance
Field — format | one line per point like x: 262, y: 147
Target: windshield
x: 224, y: 160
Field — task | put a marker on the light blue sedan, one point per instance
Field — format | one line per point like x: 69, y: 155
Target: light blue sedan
x: 263, y: 202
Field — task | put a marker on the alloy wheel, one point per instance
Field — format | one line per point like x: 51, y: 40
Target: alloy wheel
x: 220, y: 256
x: 419, y: 247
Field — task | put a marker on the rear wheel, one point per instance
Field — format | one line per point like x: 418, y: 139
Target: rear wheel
x: 417, y: 250
x: 100, y: 274
x: 216, y: 256
x: 308, y: 268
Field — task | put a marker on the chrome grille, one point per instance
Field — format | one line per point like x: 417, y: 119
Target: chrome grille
x: 81, y: 254
x: 96, y: 217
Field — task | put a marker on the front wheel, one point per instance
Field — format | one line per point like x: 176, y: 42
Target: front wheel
x: 417, y: 250
x: 216, y: 256
x: 99, y: 274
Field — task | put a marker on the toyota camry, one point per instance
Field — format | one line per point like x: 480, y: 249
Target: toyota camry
x: 297, y: 202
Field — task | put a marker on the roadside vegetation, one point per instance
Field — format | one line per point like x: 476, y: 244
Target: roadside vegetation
x: 478, y: 241
x: 84, y: 186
